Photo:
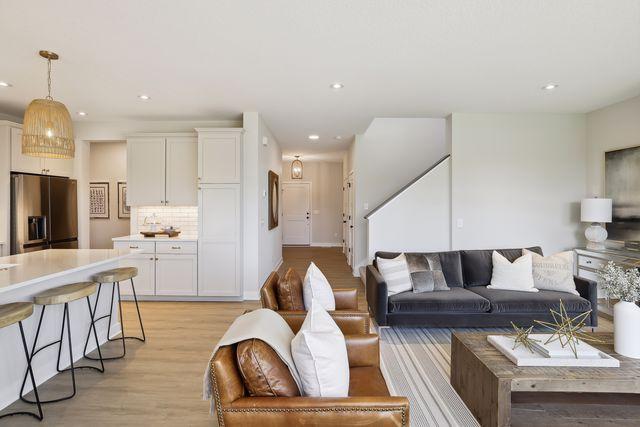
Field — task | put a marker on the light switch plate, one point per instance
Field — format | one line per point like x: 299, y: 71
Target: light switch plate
x: 366, y: 206
x: 316, y: 212
x: 460, y: 223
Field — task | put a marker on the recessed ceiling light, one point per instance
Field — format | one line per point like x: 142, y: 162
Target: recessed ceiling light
x: 82, y: 113
x: 5, y: 84
x: 337, y: 85
x: 144, y: 97
x: 338, y: 137
x: 314, y: 137
x: 550, y: 86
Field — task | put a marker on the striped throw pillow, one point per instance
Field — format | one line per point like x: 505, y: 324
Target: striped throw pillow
x: 396, y: 273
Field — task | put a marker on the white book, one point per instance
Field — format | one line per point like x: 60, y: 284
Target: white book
x: 555, y: 349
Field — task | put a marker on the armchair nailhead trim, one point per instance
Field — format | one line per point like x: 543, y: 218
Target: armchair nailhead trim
x: 216, y: 393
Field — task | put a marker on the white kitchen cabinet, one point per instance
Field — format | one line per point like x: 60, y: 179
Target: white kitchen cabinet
x: 145, y: 281
x: 162, y: 170
x: 181, y: 171
x: 176, y: 275
x: 37, y: 165
x: 219, y: 243
x: 146, y: 171
x: 219, y: 155
x: 166, y: 267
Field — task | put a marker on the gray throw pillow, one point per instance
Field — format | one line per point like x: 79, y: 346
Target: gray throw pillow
x: 430, y: 278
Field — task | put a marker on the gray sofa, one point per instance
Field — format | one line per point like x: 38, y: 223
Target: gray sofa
x: 469, y: 303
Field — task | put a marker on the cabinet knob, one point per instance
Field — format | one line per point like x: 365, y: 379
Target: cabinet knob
x: 150, y: 259
x: 156, y: 259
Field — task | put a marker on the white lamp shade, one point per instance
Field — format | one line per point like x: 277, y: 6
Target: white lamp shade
x: 596, y: 210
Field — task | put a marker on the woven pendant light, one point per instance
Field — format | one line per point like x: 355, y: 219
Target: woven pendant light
x: 47, y: 130
x: 296, y: 168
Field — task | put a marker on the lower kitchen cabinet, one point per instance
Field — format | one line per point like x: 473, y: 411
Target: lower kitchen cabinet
x: 145, y: 281
x: 176, y: 274
x: 167, y: 268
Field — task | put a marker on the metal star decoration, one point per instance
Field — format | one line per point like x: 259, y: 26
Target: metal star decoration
x: 567, y: 329
x: 521, y: 338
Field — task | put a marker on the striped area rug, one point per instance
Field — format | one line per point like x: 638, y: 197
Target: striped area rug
x: 416, y: 363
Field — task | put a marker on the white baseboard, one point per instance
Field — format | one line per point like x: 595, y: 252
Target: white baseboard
x: 326, y: 245
x: 251, y: 296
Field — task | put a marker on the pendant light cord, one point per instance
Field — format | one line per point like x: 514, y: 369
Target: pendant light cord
x: 49, y: 78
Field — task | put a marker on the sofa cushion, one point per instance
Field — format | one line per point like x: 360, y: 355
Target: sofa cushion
x: 455, y: 300
x: 477, y: 266
x: 529, y: 302
x: 450, y: 262
x: 367, y: 381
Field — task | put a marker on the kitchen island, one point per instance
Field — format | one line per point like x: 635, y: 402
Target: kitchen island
x: 25, y: 275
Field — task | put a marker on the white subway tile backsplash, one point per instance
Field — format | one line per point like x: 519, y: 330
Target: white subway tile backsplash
x: 183, y: 217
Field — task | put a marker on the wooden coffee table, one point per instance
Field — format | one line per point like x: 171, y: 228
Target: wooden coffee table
x: 484, y: 378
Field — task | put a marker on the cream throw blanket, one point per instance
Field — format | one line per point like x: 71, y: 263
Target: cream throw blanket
x: 265, y: 325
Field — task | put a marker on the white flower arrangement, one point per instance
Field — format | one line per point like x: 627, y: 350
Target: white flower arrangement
x: 620, y: 283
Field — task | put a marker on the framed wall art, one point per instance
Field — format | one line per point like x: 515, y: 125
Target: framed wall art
x: 274, y: 199
x: 124, y: 210
x: 99, y: 200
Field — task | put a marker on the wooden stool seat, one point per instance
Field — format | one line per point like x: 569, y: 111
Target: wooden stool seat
x: 14, y: 312
x: 116, y: 275
x: 65, y: 294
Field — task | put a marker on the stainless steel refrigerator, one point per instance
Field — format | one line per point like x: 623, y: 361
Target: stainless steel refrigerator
x: 44, y: 213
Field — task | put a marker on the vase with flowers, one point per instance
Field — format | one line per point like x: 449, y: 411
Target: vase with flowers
x: 624, y: 285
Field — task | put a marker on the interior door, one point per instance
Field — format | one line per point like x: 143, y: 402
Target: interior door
x: 296, y: 213
x: 350, y: 219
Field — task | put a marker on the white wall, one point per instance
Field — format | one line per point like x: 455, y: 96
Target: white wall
x: 517, y: 180
x: 262, y: 247
x: 391, y: 153
x: 270, y: 249
x: 108, y: 163
x: 611, y: 128
x: 326, y: 199
x: 418, y: 219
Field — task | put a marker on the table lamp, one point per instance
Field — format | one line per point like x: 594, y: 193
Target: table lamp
x: 596, y: 211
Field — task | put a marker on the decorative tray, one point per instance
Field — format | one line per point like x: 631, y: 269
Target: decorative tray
x: 172, y: 233
x: 521, y: 356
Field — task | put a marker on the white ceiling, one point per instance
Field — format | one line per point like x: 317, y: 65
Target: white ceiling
x: 204, y: 59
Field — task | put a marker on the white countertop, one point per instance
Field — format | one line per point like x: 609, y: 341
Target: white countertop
x: 141, y: 238
x: 34, y: 267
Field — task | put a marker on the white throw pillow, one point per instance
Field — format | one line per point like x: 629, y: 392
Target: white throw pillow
x: 320, y: 354
x: 396, y: 273
x: 316, y: 286
x: 553, y: 272
x: 516, y: 276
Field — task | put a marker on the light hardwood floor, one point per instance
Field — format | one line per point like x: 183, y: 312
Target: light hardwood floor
x: 159, y: 383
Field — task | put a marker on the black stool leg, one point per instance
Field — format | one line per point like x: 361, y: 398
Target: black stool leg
x: 39, y: 415
x: 106, y: 316
x: 135, y: 297
x: 66, y: 318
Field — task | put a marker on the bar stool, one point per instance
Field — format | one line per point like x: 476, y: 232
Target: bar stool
x: 64, y: 295
x: 15, y: 313
x: 115, y: 276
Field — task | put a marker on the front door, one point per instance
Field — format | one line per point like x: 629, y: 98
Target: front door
x: 296, y: 213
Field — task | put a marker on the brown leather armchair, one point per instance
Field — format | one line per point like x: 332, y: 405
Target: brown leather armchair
x: 368, y: 403
x: 289, y: 290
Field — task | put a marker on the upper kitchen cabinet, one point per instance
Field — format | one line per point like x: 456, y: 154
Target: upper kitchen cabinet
x: 37, y: 165
x: 181, y: 171
x: 161, y: 170
x: 219, y: 155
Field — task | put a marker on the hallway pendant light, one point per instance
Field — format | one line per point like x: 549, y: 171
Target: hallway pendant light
x: 47, y: 130
x: 296, y: 168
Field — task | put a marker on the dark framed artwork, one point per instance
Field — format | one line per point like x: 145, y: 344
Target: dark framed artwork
x: 99, y: 200
x: 622, y: 185
x: 124, y: 210
x: 274, y: 199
